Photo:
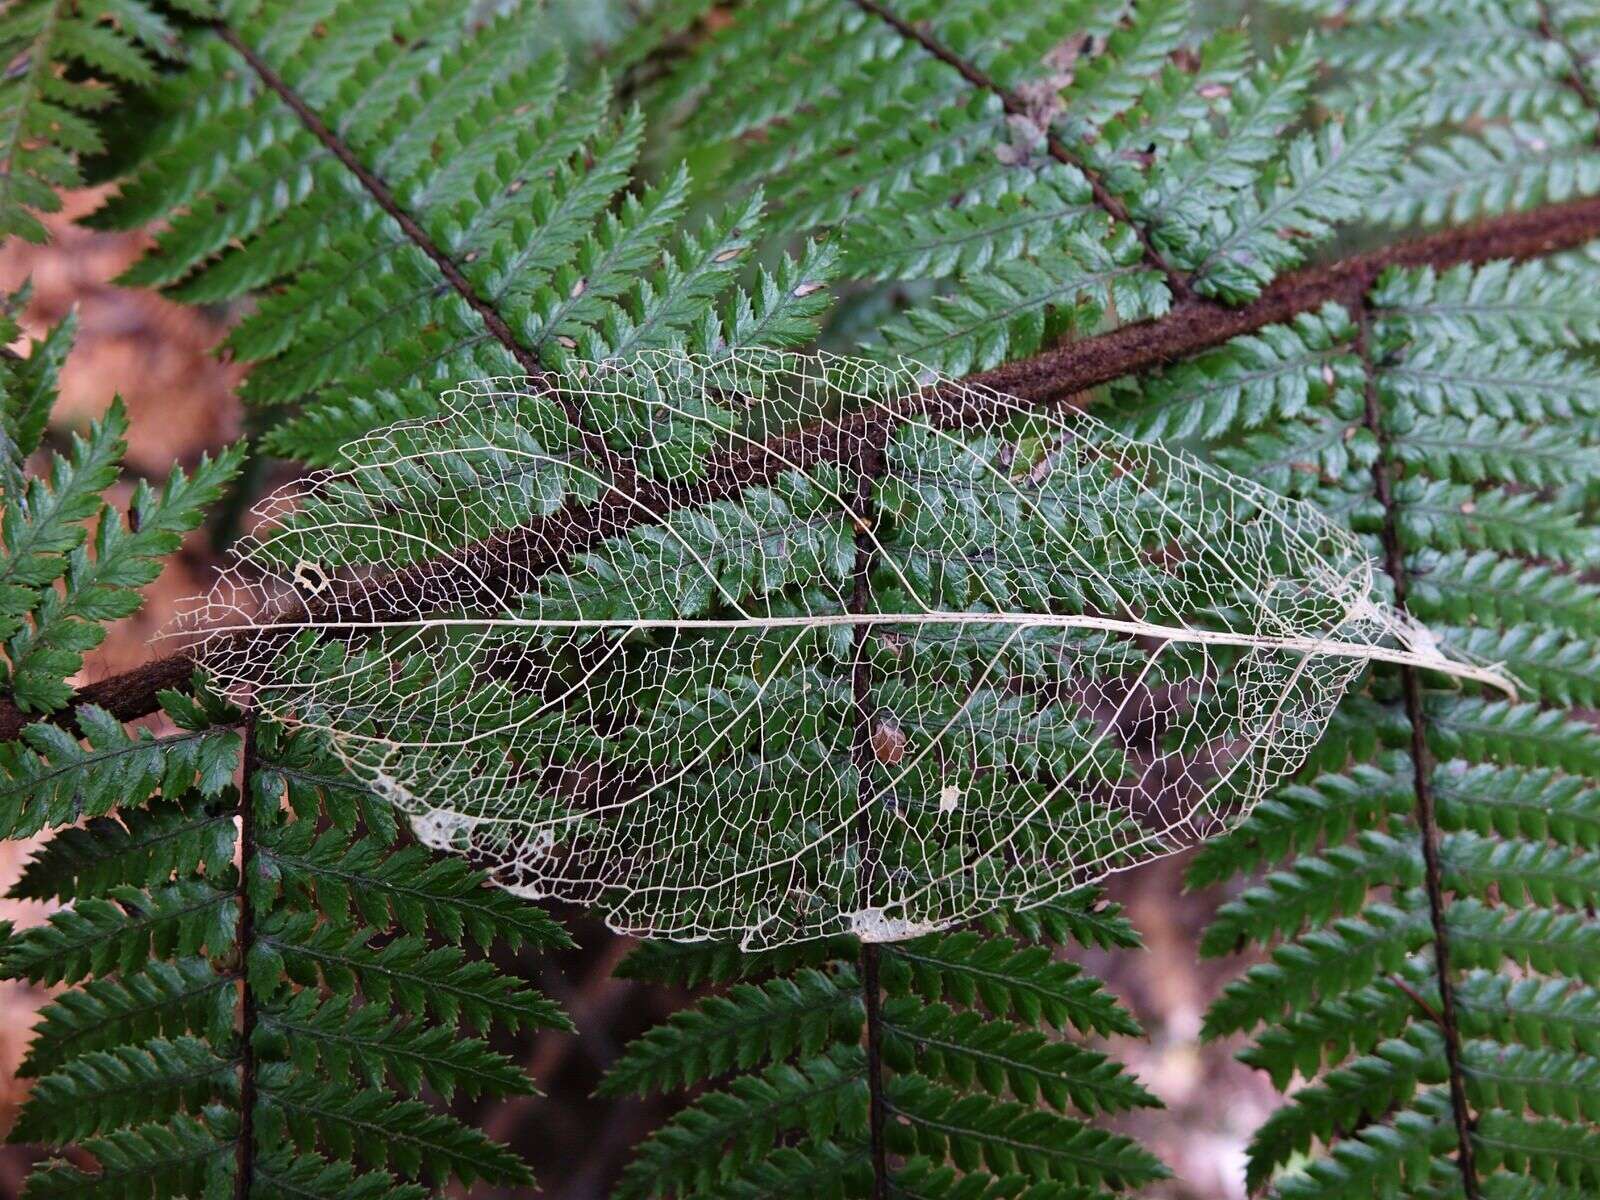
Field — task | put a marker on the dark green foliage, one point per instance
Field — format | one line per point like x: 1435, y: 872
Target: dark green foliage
x: 152, y: 936
x: 793, y: 1016
x: 47, y: 629
x: 66, y: 61
x: 474, y: 223
x: 963, y: 1082
x: 1090, y: 162
x: 144, y: 1061
x: 1505, y: 120
x: 1481, y: 408
x: 51, y: 778
x: 400, y: 198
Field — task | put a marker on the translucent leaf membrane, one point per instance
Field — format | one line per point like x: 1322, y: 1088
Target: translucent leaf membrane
x: 796, y: 645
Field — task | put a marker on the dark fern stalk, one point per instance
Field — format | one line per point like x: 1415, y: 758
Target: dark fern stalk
x: 1383, y: 471
x: 966, y: 1076
x: 248, y: 867
x: 869, y: 474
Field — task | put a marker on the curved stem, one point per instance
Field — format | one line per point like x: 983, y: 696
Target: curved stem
x: 1055, y: 376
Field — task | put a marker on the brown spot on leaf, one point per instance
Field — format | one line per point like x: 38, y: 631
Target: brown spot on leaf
x: 888, y: 742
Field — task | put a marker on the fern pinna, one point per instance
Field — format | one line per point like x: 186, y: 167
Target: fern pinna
x: 259, y: 1027
x: 1063, y: 197
x: 1433, y: 967
x: 937, y: 1051
x: 1431, y: 974
x: 66, y: 63
x: 429, y: 201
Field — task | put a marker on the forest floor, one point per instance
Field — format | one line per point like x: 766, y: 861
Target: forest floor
x: 159, y: 358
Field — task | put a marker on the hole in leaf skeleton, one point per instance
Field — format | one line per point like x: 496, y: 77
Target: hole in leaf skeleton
x: 310, y: 578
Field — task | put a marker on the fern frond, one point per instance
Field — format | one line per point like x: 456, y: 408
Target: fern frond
x: 181, y: 1156
x: 105, y: 1090
x: 314, y: 1178
x: 48, y: 630
x: 440, y: 982
x: 67, y: 63
x: 976, y: 1087
x: 965, y: 1049
x: 724, y: 1130
x: 404, y: 888
x: 118, y: 934
x: 1346, y: 1099
x: 1535, y: 303
x: 1429, y: 964
x: 1313, y: 891
x: 140, y: 847
x: 976, y: 1131
x: 1215, y: 164
x: 160, y: 999
x: 50, y: 778
x: 44, y: 522
x: 1456, y: 587
x: 1023, y: 982
x: 1501, y: 121
x: 739, y: 1030
x: 1022, y: 305
x: 362, y: 1044
x: 1266, y: 378
x: 379, y: 1131
x: 1350, y: 953
x: 1325, y: 178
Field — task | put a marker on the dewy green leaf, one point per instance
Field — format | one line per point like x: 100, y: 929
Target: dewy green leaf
x: 1084, y: 650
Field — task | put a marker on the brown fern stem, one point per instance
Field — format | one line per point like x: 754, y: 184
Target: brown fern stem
x: 1421, y: 766
x: 381, y: 196
x: 870, y: 464
x: 385, y: 199
x: 1058, y: 375
x: 244, y: 1177
x: 1198, y: 325
x: 1574, y: 79
x: 1107, y: 200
